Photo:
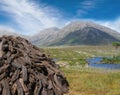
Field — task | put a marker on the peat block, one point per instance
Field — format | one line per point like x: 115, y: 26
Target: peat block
x: 26, y: 70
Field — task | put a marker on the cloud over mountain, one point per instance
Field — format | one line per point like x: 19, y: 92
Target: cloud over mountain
x: 30, y: 16
x: 115, y: 24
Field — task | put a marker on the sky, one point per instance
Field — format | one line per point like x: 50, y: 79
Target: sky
x: 30, y: 16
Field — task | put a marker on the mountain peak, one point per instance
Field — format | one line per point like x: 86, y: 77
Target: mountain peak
x: 76, y: 31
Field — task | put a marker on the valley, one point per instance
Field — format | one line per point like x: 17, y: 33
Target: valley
x: 59, y: 47
x: 71, y: 46
x: 84, y: 80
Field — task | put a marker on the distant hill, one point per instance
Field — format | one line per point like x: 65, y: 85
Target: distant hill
x: 86, y: 36
x: 7, y: 32
x: 78, y: 25
x: 77, y: 33
x: 46, y: 36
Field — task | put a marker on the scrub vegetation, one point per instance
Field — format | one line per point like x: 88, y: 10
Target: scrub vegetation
x: 83, y: 80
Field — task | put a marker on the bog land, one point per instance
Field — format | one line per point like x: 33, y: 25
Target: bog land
x: 82, y: 80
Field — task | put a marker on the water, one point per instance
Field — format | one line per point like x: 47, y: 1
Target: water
x: 93, y: 62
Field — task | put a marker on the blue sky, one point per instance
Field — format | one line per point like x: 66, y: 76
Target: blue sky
x: 30, y: 16
x: 90, y: 9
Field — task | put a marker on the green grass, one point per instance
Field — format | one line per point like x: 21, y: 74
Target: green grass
x: 85, y: 81
x: 111, y: 60
x: 78, y: 54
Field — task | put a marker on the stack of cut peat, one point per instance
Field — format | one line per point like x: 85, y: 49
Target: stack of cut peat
x: 26, y: 70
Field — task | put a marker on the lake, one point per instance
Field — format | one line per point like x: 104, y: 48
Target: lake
x: 94, y: 62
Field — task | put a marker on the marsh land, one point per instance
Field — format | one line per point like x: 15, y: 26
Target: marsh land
x: 82, y: 79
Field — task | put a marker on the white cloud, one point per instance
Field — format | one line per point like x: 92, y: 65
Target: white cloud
x: 85, y: 6
x: 115, y: 24
x: 6, y: 28
x: 29, y: 16
x: 88, y: 4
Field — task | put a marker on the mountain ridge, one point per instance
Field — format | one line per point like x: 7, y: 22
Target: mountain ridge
x: 73, y: 27
x: 75, y: 33
x: 87, y: 36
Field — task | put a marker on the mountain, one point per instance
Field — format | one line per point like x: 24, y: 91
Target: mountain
x: 78, y: 33
x: 78, y: 25
x: 86, y: 36
x: 7, y: 32
x: 46, y: 36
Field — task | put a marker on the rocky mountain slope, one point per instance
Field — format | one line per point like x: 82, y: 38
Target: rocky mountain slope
x: 86, y: 36
x: 7, y: 32
x: 77, y: 33
x: 45, y: 37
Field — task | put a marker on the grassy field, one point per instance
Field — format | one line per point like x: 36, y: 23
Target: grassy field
x: 87, y: 81
x: 114, y: 59
x: 77, y: 54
